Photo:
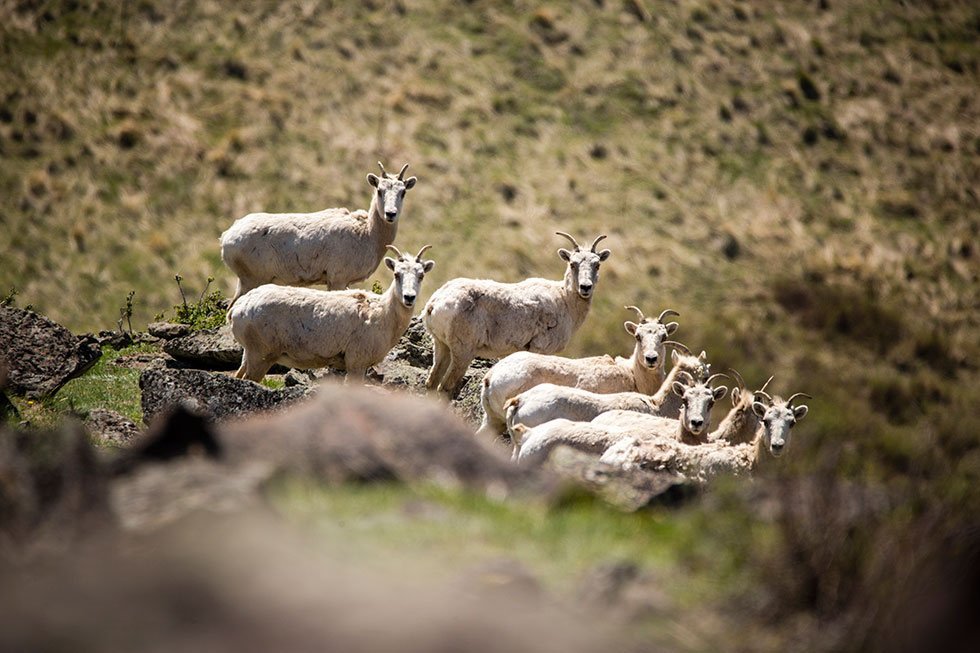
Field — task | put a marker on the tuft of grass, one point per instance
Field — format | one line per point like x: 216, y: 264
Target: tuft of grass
x: 206, y: 312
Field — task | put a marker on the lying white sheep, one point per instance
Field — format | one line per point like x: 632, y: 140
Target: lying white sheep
x: 480, y: 317
x: 335, y: 247
x: 344, y: 329
x: 606, y: 429
x: 642, y: 372
x: 702, y: 462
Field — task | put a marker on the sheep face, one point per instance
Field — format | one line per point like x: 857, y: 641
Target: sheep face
x: 650, y: 336
x: 697, y: 366
x: 583, y: 269
x: 409, y: 271
x: 697, y: 401
x: 391, y: 193
x: 777, y: 423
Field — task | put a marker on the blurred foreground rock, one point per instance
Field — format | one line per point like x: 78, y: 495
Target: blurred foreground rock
x: 41, y: 355
x: 216, y: 395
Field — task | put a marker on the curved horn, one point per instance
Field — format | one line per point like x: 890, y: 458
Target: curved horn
x: 418, y: 257
x: 639, y: 313
x: 596, y: 242
x: 766, y: 384
x: 711, y: 378
x: 574, y: 242
x: 395, y: 250
x: 401, y: 173
x: 764, y: 394
x: 382, y: 166
x: 679, y: 345
x: 689, y: 379
x: 789, y: 402
x: 667, y: 311
x: 738, y: 377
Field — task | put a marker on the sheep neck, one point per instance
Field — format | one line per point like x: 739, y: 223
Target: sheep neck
x: 396, y: 314
x: 646, y: 380
x: 380, y: 230
x: 664, y: 390
x: 739, y: 425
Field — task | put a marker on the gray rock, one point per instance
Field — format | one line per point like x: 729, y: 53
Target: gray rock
x: 209, y: 349
x: 41, y: 355
x: 167, y: 330
x: 215, y: 395
x: 111, y: 427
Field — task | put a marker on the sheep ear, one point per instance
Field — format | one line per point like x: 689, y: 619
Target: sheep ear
x: 719, y: 392
x: 703, y: 356
x: 565, y: 254
x: 671, y: 327
x: 410, y: 182
x: 390, y: 263
x: 674, y: 356
x: 678, y: 388
x: 604, y: 254
x: 428, y: 265
x: 736, y: 394
x: 630, y: 327
x: 759, y: 409
x: 373, y: 179
x: 799, y: 412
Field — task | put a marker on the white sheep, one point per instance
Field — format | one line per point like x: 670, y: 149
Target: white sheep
x: 344, y: 329
x: 336, y: 247
x: 642, y: 372
x: 704, y: 461
x: 740, y: 424
x: 480, y: 317
x: 610, y: 427
x: 668, y: 403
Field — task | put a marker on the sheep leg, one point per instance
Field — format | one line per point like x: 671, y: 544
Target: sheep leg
x: 254, y: 366
x: 441, y: 357
x: 452, y: 382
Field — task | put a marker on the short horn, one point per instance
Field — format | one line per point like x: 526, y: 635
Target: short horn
x: 667, y: 312
x: 715, y: 376
x: 401, y: 173
x: 688, y: 378
x: 418, y: 257
x: 395, y: 250
x: 766, y: 384
x: 789, y: 402
x: 679, y: 345
x: 639, y: 313
x: 738, y: 377
x: 764, y: 394
x: 596, y: 242
x: 382, y: 166
x: 574, y: 242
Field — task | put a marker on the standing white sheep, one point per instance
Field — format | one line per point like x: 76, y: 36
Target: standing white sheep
x: 685, y: 362
x: 480, y: 317
x: 336, y: 247
x: 344, y: 329
x: 642, y: 372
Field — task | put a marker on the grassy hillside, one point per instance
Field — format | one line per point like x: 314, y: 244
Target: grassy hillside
x: 798, y: 179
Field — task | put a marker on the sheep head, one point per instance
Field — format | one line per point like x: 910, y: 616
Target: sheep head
x: 583, y: 265
x: 778, y: 416
x: 408, y: 272
x: 697, y: 399
x: 685, y: 361
x: 651, y: 336
x: 391, y: 191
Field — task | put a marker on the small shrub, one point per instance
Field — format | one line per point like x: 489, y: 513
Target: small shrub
x: 207, y: 312
x: 10, y: 298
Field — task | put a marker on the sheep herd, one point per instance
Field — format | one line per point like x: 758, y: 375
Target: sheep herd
x: 629, y: 411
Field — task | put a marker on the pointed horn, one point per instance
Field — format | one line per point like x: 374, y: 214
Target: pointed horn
x: 596, y: 242
x: 711, y: 378
x: 679, y: 345
x: 574, y: 242
x: 395, y: 250
x: 639, y: 313
x: 418, y: 257
x: 382, y: 166
x: 687, y: 377
x: 738, y: 378
x: 401, y: 173
x: 668, y: 311
x: 764, y: 394
x: 766, y: 384
x: 789, y: 402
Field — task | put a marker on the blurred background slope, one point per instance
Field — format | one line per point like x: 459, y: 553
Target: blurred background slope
x: 798, y: 179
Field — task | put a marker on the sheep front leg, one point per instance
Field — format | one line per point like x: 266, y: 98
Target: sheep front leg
x: 452, y: 382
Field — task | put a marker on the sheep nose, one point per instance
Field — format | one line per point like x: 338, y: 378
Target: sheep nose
x: 696, y: 423
x: 777, y: 447
x: 586, y: 288
x: 391, y: 215
x: 651, y: 359
x: 409, y: 299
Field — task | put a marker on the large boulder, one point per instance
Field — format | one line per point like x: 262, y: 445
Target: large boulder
x: 210, y: 349
x: 216, y: 395
x: 41, y: 356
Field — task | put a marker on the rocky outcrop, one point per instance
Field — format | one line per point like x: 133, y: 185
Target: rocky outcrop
x: 209, y: 349
x: 41, y: 355
x: 168, y: 330
x: 216, y: 395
